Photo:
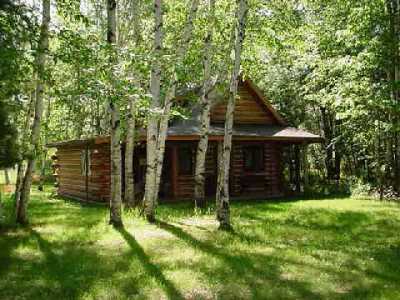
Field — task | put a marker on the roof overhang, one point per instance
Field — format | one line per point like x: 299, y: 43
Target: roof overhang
x: 216, y: 133
x: 98, y: 140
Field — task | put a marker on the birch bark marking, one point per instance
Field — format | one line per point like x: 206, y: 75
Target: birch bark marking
x: 115, y: 199
x: 202, y: 146
x: 223, y: 214
x: 130, y: 199
x: 152, y: 119
x: 21, y: 214
x: 44, y: 150
x: 170, y: 95
x: 21, y: 165
x: 129, y: 151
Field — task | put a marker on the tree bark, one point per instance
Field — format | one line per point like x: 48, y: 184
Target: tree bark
x: 223, y: 213
x: 170, y: 95
x: 21, y: 209
x: 199, y: 177
x: 129, y: 152
x: 130, y: 200
x: 115, y: 199
x: 153, y: 116
x: 44, y: 149
x: 158, y: 125
x: 24, y: 136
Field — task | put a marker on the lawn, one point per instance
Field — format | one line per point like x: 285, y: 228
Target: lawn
x: 307, y: 249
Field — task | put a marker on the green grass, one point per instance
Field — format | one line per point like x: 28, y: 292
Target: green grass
x: 315, y: 249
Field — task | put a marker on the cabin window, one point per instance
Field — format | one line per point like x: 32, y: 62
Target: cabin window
x: 85, y: 162
x: 253, y: 158
x: 185, y: 157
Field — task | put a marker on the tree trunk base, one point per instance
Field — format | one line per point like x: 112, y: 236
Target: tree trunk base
x: 200, y: 203
x: 22, y: 221
x: 151, y: 219
x: 225, y: 227
x: 129, y: 206
x: 116, y: 224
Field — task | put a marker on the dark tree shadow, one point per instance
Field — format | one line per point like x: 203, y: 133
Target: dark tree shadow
x: 61, y: 273
x: 152, y: 269
x: 242, y: 265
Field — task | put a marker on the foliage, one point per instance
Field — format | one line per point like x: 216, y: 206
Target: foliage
x: 326, y: 65
x: 17, y: 29
x: 8, y: 134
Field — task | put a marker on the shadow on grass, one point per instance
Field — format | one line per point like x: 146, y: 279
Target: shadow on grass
x: 242, y: 266
x: 152, y: 269
x: 59, y: 270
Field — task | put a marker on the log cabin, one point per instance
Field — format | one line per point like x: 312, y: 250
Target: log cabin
x: 261, y: 140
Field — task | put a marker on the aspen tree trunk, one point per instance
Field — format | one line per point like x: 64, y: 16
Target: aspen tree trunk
x: 152, y: 120
x: 223, y: 214
x: 21, y: 166
x: 19, y: 180
x: 115, y: 199
x: 202, y: 146
x: 129, y: 152
x: 44, y: 150
x: 21, y: 213
x: 130, y: 200
x: 170, y: 95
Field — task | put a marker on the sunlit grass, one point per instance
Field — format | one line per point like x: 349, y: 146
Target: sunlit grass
x: 307, y: 249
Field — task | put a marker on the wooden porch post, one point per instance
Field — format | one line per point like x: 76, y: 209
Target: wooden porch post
x: 174, y: 170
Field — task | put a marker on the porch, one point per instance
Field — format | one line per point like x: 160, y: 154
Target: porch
x: 259, y: 169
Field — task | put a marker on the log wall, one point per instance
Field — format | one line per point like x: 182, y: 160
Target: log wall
x: 73, y: 184
x: 266, y: 183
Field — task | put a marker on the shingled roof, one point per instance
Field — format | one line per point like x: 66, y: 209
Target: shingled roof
x: 191, y: 127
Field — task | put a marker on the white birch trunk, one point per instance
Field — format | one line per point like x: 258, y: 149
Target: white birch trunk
x: 44, y: 152
x: 115, y: 198
x: 129, y: 152
x: 24, y: 136
x: 152, y: 120
x: 21, y: 209
x: 223, y: 214
x: 199, y: 177
x: 170, y: 95
x: 130, y: 200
